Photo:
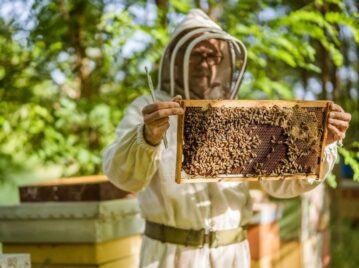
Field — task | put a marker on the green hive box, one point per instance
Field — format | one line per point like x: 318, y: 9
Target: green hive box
x: 70, y: 222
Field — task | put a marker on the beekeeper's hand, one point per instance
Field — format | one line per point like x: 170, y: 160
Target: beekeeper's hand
x: 338, y: 123
x: 156, y: 119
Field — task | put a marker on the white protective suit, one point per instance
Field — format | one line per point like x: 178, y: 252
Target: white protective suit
x: 133, y: 165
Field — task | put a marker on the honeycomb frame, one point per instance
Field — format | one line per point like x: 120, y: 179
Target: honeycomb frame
x: 254, y: 105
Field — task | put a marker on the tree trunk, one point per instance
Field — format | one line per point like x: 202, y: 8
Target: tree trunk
x: 357, y: 67
x: 334, y: 76
x: 197, y: 4
x: 304, y: 78
x: 347, y: 64
x: 82, y: 63
x: 162, y: 10
x: 75, y: 17
x: 324, y: 75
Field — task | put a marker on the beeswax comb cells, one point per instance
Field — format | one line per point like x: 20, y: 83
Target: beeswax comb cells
x: 246, y: 140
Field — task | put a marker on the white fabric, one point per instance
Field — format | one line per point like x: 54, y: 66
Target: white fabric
x: 133, y: 165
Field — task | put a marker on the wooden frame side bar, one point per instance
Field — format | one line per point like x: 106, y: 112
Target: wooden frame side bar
x: 324, y: 140
x: 180, y: 130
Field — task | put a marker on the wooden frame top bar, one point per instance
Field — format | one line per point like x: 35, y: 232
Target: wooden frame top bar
x: 253, y: 103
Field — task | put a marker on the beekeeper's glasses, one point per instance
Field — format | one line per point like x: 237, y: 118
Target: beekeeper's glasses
x: 211, y: 58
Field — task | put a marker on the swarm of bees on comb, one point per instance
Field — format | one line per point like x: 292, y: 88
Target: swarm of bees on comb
x: 252, y: 141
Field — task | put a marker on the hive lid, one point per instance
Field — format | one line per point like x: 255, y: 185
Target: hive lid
x: 71, y: 210
x: 89, y: 188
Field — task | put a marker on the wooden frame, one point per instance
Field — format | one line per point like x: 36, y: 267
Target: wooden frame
x: 247, y: 103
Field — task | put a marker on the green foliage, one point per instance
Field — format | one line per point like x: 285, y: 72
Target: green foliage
x: 350, y: 156
x: 284, y: 46
x: 48, y: 123
x: 331, y: 180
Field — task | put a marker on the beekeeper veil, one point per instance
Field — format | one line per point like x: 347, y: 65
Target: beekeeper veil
x: 232, y: 57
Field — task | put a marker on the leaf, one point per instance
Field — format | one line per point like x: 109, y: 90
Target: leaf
x: 350, y: 160
x: 331, y: 180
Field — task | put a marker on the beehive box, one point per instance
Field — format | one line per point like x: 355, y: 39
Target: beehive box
x: 89, y: 188
x: 263, y: 231
x: 349, y: 203
x: 109, y: 254
x: 226, y: 140
x: 303, y: 230
x: 70, y: 222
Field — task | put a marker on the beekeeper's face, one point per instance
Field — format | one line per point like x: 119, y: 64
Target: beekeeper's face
x: 204, y: 60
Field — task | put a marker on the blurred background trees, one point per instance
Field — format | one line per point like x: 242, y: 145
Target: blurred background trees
x: 68, y: 69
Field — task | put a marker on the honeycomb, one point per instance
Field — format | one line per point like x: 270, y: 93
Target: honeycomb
x: 258, y: 141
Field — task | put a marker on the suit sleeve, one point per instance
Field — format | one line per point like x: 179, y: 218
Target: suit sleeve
x: 130, y: 162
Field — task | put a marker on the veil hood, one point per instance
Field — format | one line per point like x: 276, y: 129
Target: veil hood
x: 194, y: 28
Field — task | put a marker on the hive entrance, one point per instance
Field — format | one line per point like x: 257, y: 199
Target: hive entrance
x: 239, y: 140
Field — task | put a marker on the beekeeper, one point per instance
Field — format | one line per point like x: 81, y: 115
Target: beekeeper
x: 200, y: 224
